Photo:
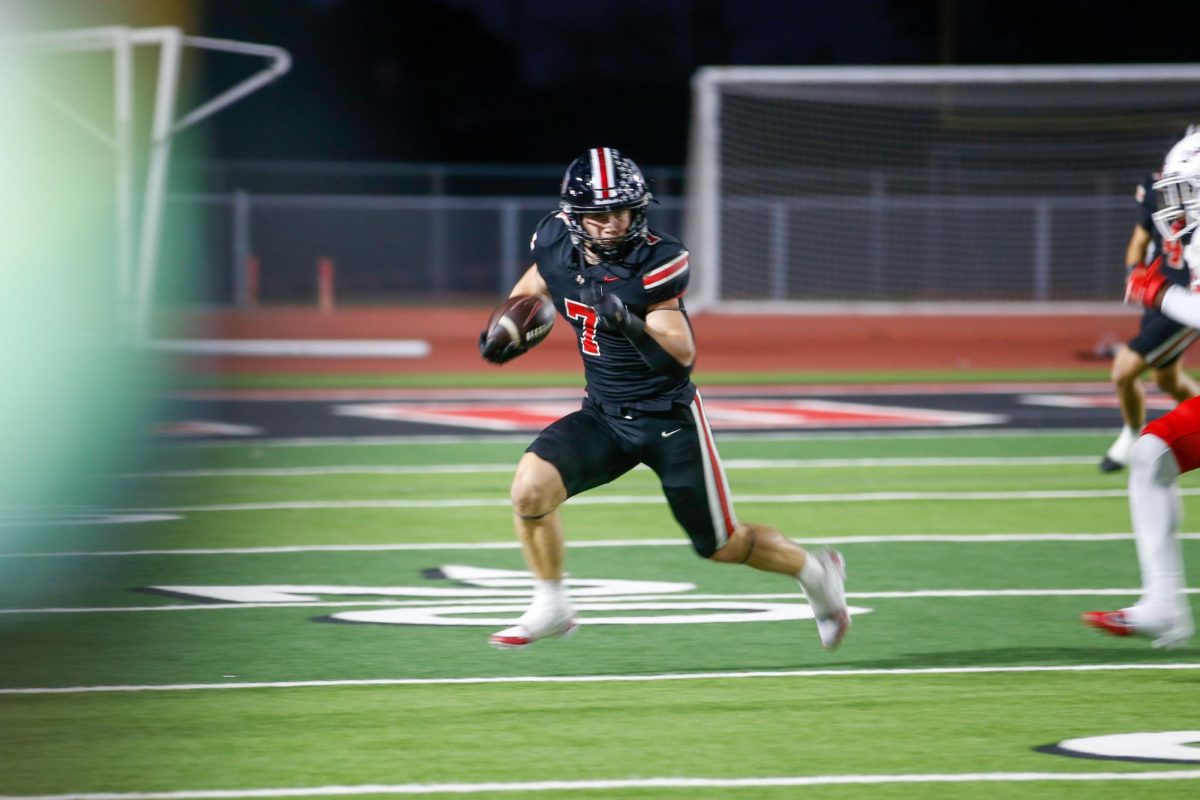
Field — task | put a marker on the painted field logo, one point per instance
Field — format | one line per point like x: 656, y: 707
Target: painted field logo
x: 1165, y: 747
x: 497, y: 597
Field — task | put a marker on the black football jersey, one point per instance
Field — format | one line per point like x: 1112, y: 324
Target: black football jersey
x: 657, y: 270
x: 1173, y: 265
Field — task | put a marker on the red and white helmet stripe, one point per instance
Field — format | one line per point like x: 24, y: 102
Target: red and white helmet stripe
x: 604, y: 174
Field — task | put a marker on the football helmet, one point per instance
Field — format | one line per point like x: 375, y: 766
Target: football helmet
x: 603, y: 180
x: 1179, y: 190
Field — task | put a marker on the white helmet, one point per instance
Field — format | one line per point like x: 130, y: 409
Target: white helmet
x: 1179, y: 189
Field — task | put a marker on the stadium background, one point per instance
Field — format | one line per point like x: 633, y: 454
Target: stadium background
x: 414, y: 145
x: 957, y: 539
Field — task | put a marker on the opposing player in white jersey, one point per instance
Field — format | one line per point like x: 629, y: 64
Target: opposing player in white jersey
x: 1170, y: 445
x: 1160, y: 341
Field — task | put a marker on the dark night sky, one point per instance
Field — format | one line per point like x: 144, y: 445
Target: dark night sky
x: 535, y: 81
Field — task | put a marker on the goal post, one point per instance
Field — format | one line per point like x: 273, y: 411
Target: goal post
x: 134, y: 153
x: 901, y: 187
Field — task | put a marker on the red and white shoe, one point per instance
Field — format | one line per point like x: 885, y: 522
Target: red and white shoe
x: 1166, y: 629
x: 534, y: 627
x: 828, y: 599
x: 1111, y: 622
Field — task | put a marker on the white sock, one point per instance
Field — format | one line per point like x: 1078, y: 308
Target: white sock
x: 1156, y: 510
x: 1119, y: 451
x: 549, y: 592
x: 812, y: 573
x: 550, y: 601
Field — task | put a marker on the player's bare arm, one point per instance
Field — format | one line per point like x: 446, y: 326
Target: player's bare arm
x: 669, y: 327
x: 521, y: 322
x: 1135, y: 251
x: 531, y: 283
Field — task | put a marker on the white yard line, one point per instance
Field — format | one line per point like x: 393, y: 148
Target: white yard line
x: 670, y: 676
x: 629, y: 783
x: 918, y: 538
x: 682, y: 599
x: 732, y: 463
x: 498, y: 502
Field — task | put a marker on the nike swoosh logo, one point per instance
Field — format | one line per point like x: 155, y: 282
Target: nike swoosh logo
x: 610, y: 278
x: 665, y: 434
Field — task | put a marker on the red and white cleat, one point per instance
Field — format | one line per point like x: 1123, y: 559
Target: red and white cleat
x: 523, y: 634
x: 1111, y: 622
x: 828, y: 599
x: 1166, y: 629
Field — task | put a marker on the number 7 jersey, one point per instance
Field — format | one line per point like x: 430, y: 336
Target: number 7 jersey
x: 656, y: 271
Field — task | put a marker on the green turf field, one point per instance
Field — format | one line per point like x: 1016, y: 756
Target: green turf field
x: 210, y: 652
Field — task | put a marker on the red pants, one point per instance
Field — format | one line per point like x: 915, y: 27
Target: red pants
x: 1180, y: 429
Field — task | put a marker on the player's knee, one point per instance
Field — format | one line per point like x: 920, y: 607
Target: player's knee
x: 1127, y: 367
x: 1142, y: 454
x: 1125, y: 377
x: 1151, y: 460
x: 535, y: 491
x: 529, y: 499
x: 1173, y: 383
x: 735, y: 550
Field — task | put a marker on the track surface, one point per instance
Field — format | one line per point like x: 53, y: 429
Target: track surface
x: 760, y: 342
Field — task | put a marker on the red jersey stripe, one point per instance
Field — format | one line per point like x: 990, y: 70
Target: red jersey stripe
x: 718, y: 471
x: 672, y: 269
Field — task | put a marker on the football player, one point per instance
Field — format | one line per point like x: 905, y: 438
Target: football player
x: 1170, y: 445
x: 1160, y: 341
x: 620, y: 285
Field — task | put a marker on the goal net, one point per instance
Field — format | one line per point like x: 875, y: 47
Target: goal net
x: 872, y: 185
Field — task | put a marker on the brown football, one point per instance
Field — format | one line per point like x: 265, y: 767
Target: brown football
x: 525, y: 318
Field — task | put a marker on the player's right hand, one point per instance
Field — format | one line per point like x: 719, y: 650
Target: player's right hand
x: 1145, y: 285
x: 496, y: 352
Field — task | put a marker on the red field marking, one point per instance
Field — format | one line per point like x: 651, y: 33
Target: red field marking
x: 723, y: 414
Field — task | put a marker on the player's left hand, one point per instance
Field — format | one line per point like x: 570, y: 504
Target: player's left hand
x: 609, y: 308
x: 1145, y: 285
x: 497, y: 352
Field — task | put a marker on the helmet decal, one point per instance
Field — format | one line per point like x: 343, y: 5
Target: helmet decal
x: 603, y: 173
x: 599, y: 181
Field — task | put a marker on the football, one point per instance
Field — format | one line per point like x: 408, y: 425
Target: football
x: 523, y: 321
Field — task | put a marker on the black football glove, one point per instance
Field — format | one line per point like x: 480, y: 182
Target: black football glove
x: 612, y: 310
x: 617, y: 315
x: 496, y: 353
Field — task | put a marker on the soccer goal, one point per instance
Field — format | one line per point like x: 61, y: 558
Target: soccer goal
x: 881, y: 186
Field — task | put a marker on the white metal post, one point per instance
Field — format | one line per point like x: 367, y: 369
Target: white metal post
x: 704, y: 197
x: 123, y: 149
x: 171, y: 41
x: 241, y: 248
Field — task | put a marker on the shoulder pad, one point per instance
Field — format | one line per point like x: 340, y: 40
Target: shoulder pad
x: 551, y: 230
